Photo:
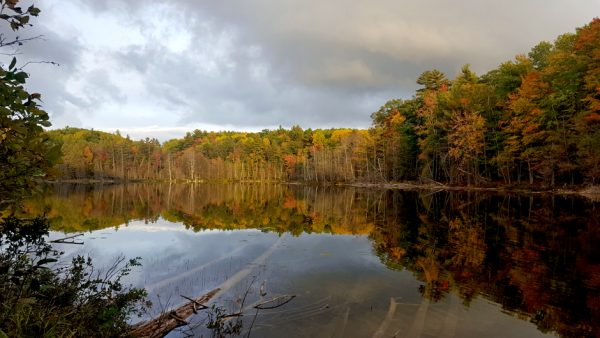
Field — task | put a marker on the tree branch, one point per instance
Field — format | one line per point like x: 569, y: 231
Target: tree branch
x: 18, y: 41
x: 38, y: 62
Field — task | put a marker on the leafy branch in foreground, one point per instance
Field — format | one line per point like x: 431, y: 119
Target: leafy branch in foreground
x: 40, y: 299
x: 25, y: 150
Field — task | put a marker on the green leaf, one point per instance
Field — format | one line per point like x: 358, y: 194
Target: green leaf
x: 2, y: 334
x: 12, y: 63
x: 21, y: 76
x: 33, y: 10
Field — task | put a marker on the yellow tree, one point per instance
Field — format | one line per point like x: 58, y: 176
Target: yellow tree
x: 523, y: 127
x: 466, y: 143
x: 467, y: 128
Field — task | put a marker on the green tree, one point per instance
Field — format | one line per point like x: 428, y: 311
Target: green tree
x: 587, y: 120
x: 508, y: 76
x: 433, y: 80
x: 397, y: 142
x: 432, y: 127
x: 539, y: 54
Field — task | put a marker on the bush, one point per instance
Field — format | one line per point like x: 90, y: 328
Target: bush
x: 41, y: 298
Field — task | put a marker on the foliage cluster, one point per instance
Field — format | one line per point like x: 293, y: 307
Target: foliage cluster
x: 534, y: 119
x: 25, y: 150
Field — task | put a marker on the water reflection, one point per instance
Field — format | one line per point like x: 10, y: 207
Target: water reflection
x: 278, y: 208
x: 537, y: 257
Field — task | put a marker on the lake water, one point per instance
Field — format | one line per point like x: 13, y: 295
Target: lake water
x: 360, y: 262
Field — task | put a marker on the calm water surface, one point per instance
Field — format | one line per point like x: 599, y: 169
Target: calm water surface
x: 361, y: 262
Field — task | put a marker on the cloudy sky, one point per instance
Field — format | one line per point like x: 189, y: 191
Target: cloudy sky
x: 161, y: 68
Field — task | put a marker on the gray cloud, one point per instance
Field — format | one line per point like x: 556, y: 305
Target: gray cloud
x: 269, y: 63
x: 51, y: 79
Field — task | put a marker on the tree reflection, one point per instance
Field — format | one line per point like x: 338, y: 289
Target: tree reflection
x: 533, y: 255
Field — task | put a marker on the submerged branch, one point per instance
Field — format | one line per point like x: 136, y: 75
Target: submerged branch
x: 167, y: 322
x: 65, y: 240
x: 276, y: 300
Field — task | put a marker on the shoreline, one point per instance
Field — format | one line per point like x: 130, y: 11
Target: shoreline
x: 592, y: 191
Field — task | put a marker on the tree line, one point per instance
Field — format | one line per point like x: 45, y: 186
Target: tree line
x: 533, y: 120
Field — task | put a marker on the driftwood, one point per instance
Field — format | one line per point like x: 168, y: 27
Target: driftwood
x: 167, y: 322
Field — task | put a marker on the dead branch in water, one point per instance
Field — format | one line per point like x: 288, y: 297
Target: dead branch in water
x: 261, y: 306
x: 167, y: 322
x: 65, y: 240
x: 276, y: 301
x: 195, y: 304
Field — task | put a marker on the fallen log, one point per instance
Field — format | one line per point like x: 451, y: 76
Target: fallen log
x: 167, y: 322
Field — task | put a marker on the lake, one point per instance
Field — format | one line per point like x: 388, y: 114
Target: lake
x: 350, y: 262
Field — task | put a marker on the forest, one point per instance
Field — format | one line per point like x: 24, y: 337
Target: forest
x: 532, y: 121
